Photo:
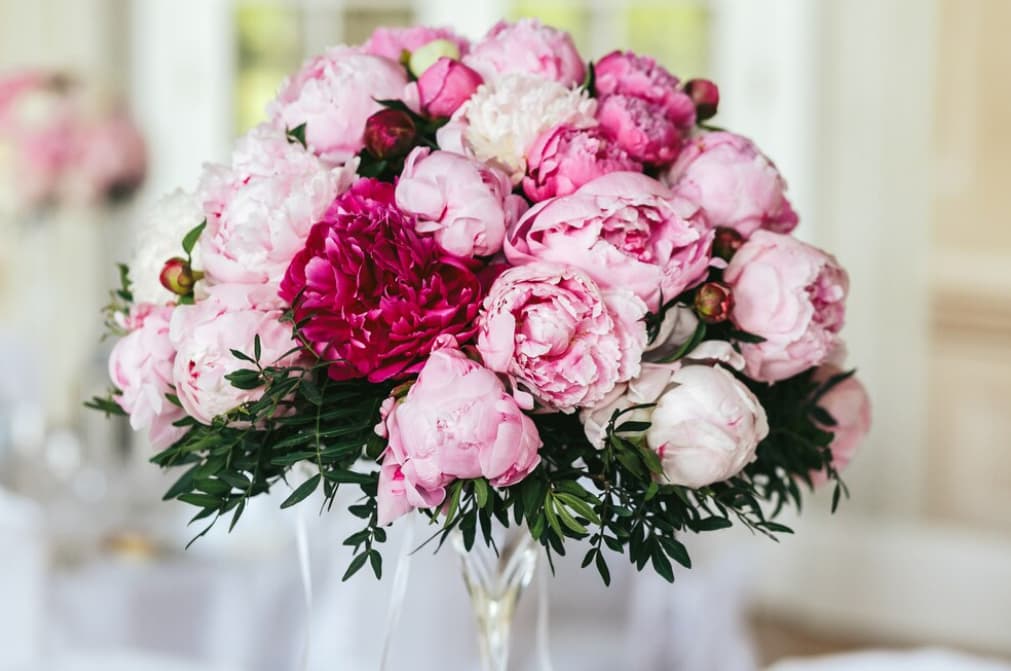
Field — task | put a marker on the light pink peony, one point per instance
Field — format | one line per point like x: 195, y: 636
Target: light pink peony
x: 465, y: 204
x: 230, y: 317
x: 624, y: 73
x: 375, y: 295
x: 112, y: 158
x: 445, y: 86
x: 259, y: 210
x: 850, y: 406
x: 624, y: 230
x: 393, y: 42
x: 791, y: 294
x: 734, y: 184
x: 141, y: 368
x: 333, y: 95
x: 457, y: 421
x: 565, y: 158
x: 527, y: 46
x: 640, y: 128
x: 552, y: 329
x: 706, y: 427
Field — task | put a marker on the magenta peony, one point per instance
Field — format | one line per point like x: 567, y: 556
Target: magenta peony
x: 734, y: 184
x: 529, y: 47
x: 624, y: 73
x: 445, y: 86
x: 141, y: 368
x: 376, y: 294
x: 791, y: 294
x: 465, y: 204
x: 565, y: 158
x: 638, y: 127
x: 333, y: 94
x: 552, y: 329
x: 625, y: 230
x: 457, y: 421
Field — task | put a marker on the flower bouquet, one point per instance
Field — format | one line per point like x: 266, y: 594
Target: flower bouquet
x: 496, y: 286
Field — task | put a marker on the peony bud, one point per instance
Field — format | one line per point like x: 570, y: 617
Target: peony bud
x: 445, y: 86
x: 706, y: 96
x: 424, y: 57
x: 389, y: 133
x: 178, y: 277
x: 726, y: 243
x: 713, y: 302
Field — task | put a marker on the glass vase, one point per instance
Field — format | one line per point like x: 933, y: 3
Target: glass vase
x: 495, y: 582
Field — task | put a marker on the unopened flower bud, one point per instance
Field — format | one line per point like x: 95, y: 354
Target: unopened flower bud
x: 178, y: 277
x: 389, y: 133
x: 425, y: 56
x: 726, y: 243
x: 706, y: 96
x: 713, y: 302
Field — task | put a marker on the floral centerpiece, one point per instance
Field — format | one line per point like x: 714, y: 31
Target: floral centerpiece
x: 497, y: 286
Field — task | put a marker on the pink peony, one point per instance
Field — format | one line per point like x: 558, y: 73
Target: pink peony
x: 625, y: 231
x: 259, y: 210
x: 374, y: 293
x: 141, y: 368
x: 552, y: 329
x: 393, y: 42
x: 113, y: 157
x: 333, y: 95
x: 706, y: 427
x: 791, y: 294
x: 640, y: 128
x: 457, y: 421
x: 565, y: 158
x: 445, y: 86
x: 850, y: 406
x: 734, y: 184
x: 624, y: 73
x: 465, y: 204
x: 204, y: 335
x: 527, y: 46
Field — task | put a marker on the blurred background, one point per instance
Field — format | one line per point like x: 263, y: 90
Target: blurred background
x: 889, y: 118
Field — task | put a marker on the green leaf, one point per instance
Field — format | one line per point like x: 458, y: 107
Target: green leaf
x: 200, y: 500
x: 377, y: 563
x: 190, y: 240
x: 712, y: 524
x: 302, y: 492
x: 605, y: 573
x: 356, y: 564
x: 237, y: 514
x: 662, y: 565
x: 697, y: 337
x: 256, y: 347
x: 481, y: 492
x: 297, y: 134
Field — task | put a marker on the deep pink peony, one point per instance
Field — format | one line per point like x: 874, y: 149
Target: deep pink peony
x: 640, y: 128
x: 229, y: 318
x: 850, y: 406
x: 527, y: 46
x: 467, y: 205
x: 457, y: 421
x: 624, y: 230
x: 445, y: 86
x: 733, y: 182
x: 624, y: 73
x: 333, y: 95
x: 376, y: 294
x: 565, y: 158
x: 141, y: 368
x: 553, y: 330
x: 393, y: 42
x: 791, y: 294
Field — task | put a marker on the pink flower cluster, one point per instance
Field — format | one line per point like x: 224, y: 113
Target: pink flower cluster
x: 494, y: 246
x: 54, y: 146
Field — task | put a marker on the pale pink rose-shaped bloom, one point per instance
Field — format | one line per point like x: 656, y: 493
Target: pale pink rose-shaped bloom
x: 791, y: 294
x: 527, y: 46
x: 141, y: 368
x: 553, y: 330
x: 625, y: 231
x: 457, y: 421
x: 465, y: 204
x: 639, y: 127
x: 706, y: 427
x: 393, y: 42
x: 678, y: 326
x: 260, y: 209
x: 204, y: 335
x: 333, y: 95
x: 850, y: 406
x: 565, y: 158
x: 626, y: 74
x: 445, y: 86
x: 733, y: 182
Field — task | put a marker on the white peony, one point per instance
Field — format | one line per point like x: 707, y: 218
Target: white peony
x: 159, y: 237
x: 503, y: 118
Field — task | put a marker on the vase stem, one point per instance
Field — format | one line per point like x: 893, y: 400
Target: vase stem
x: 495, y: 582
